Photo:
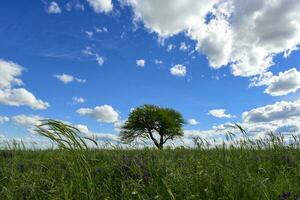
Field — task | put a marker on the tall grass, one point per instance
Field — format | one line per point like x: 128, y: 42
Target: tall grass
x: 238, y: 168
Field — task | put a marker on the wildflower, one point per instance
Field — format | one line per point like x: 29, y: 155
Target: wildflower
x: 20, y: 167
x: 285, y: 195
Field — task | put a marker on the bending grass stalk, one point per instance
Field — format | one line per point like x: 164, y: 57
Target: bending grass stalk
x: 67, y: 138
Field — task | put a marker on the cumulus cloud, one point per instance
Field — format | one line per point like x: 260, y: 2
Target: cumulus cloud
x: 283, y: 84
x: 78, y: 100
x: 84, y: 130
x: 278, y: 111
x: 206, y: 134
x: 101, y: 6
x: 170, y: 17
x: 118, y: 125
x: 193, y: 122
x: 9, y: 73
x: 53, y: 8
x: 3, y: 119
x: 280, y: 118
x: 178, y: 70
x: 243, y: 34
x: 65, y: 78
x: 285, y: 129
x: 28, y: 121
x: 104, y: 114
x: 219, y: 113
x: 21, y: 97
x: 140, y: 63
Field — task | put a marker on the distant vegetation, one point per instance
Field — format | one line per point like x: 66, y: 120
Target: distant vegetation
x: 147, y: 121
x: 243, y: 170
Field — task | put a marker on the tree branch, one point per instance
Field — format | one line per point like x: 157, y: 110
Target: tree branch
x: 153, y: 139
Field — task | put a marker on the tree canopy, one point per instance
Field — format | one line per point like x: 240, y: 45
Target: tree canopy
x: 154, y: 123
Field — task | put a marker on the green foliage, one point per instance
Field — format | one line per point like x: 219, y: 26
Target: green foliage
x: 148, y: 120
x: 249, y: 169
x: 225, y: 174
x: 67, y: 138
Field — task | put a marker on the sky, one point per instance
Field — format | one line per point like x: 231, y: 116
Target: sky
x: 90, y: 62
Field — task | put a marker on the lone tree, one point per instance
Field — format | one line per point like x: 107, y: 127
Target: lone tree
x: 152, y: 122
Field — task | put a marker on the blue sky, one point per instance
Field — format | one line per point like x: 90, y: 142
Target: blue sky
x: 201, y: 60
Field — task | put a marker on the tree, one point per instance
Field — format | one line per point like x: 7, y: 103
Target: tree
x: 152, y: 122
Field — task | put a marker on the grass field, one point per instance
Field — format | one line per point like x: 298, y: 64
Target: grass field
x: 236, y: 169
x: 218, y: 173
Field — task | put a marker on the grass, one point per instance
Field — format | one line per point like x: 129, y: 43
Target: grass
x: 266, y: 170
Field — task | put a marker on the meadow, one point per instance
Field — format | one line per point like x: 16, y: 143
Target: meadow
x: 237, y: 169
x: 181, y: 173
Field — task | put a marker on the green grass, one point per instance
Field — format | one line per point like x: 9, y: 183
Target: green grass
x: 151, y: 174
x: 247, y: 169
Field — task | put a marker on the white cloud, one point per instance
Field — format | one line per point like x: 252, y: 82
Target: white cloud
x: 21, y: 97
x: 9, y: 73
x: 283, y: 84
x: 88, y: 51
x: 158, y: 62
x: 193, y: 122
x: 171, y: 47
x: 3, y: 119
x: 100, y: 59
x: 210, y: 38
x: 74, y: 5
x: 101, y: 6
x: 79, y: 6
x: 281, y: 117
x: 105, y: 113
x: 65, y: 78
x: 219, y: 113
x: 89, y: 33
x: 118, y: 125
x: 184, y: 46
x: 78, y: 100
x: 278, y: 111
x: 53, y: 8
x: 178, y: 70
x: 80, y: 80
x: 84, y: 130
x: 170, y: 17
x: 101, y: 29
x: 140, y: 63
x: 245, y: 34
x: 29, y: 121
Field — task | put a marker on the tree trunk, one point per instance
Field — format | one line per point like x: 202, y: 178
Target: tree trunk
x: 160, y: 146
x: 161, y: 141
